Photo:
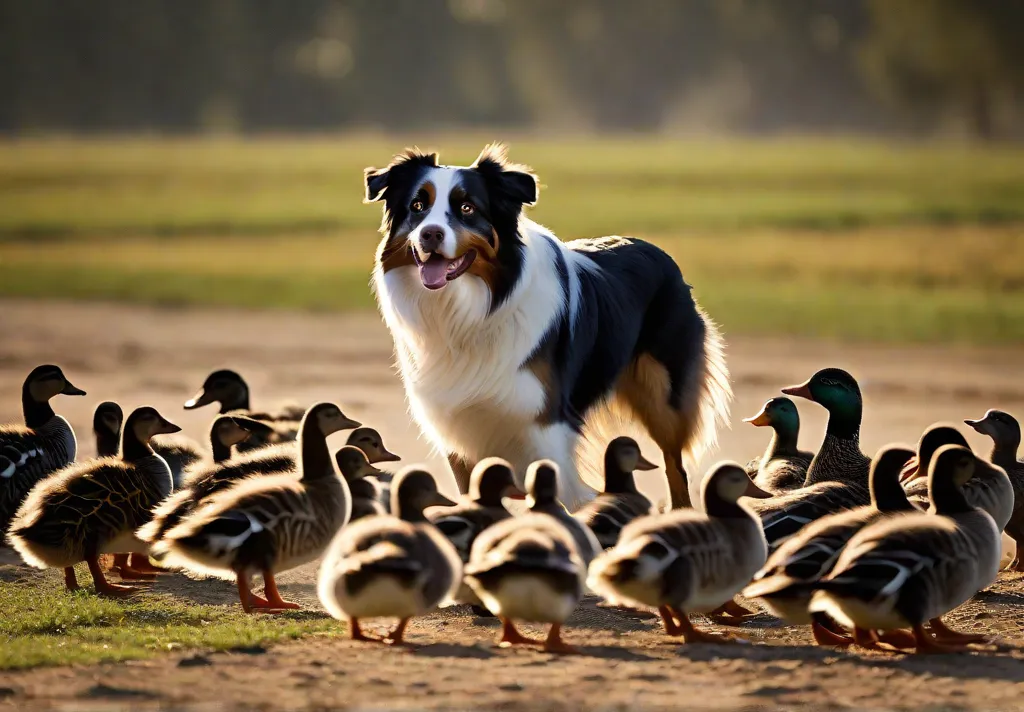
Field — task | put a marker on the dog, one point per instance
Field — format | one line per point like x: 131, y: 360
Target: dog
x: 511, y: 343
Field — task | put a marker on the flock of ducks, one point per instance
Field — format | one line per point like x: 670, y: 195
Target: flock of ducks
x: 866, y: 551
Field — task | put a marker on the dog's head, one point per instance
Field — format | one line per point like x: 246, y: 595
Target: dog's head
x: 449, y: 221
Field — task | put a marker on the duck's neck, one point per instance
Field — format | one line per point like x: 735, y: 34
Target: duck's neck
x: 835, y: 457
x: 36, y: 413
x: 617, y: 480
x: 844, y: 421
x: 316, y: 458
x: 719, y: 508
x: 1004, y: 452
x: 888, y: 495
x: 782, y: 444
x: 240, y: 401
x: 107, y: 443
x: 409, y: 511
x: 221, y: 452
x: 132, y: 448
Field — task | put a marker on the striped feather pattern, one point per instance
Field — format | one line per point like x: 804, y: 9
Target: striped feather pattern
x: 27, y: 456
x: 607, y: 514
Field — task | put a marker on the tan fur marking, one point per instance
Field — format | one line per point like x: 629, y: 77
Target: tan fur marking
x: 394, y: 252
x: 485, y: 265
x: 644, y: 388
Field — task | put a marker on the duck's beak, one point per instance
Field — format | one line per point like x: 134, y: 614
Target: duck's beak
x: 979, y: 425
x: 348, y: 424
x: 756, y: 492
x: 199, y: 400
x: 387, y: 456
x: 370, y: 470
x: 253, y: 427
x: 761, y: 419
x: 70, y: 390
x: 167, y: 427
x: 439, y: 500
x: 513, y: 492
x: 644, y: 464
x: 801, y: 391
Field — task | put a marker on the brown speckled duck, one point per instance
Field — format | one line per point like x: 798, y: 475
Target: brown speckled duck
x: 377, y: 486
x: 542, y: 498
x: 94, y: 507
x: 391, y: 566
x: 1004, y: 430
x: 358, y: 474
x: 684, y: 561
x: 267, y: 524
x: 620, y: 502
x: 44, y: 444
x: 783, y: 466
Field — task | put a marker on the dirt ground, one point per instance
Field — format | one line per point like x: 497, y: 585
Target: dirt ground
x: 160, y: 357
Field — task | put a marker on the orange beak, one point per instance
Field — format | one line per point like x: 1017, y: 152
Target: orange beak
x: 760, y: 420
x: 644, y: 464
x: 801, y: 391
x: 756, y: 492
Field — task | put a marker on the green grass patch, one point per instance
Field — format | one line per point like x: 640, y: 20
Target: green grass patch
x: 45, y: 625
x: 96, y: 188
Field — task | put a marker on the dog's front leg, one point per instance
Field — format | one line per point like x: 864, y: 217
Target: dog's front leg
x: 461, y: 469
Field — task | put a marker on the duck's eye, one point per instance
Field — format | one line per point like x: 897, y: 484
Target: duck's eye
x: 467, y: 209
x: 418, y: 206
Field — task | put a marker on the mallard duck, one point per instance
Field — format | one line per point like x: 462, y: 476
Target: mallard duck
x: 685, y: 561
x: 44, y: 444
x: 620, y: 502
x: 231, y: 391
x: 990, y: 488
x: 490, y: 481
x: 783, y: 466
x: 837, y: 478
x: 1004, y: 430
x: 267, y: 524
x: 542, y: 498
x: 785, y: 582
x: 528, y: 569
x: 397, y: 566
x: 372, y: 444
x: 909, y: 569
x: 94, y: 507
x: 358, y: 474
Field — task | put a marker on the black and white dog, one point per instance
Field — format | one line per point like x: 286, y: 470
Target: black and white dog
x: 510, y: 342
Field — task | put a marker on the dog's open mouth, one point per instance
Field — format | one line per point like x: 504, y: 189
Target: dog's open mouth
x: 438, y: 270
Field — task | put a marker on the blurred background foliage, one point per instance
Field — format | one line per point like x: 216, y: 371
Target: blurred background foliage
x: 597, y: 65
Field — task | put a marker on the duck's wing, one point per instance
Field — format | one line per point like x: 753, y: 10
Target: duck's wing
x: 786, y: 514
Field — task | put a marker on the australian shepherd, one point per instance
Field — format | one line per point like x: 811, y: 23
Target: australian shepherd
x: 513, y: 343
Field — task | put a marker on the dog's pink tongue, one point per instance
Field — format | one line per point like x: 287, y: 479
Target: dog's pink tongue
x: 434, y: 272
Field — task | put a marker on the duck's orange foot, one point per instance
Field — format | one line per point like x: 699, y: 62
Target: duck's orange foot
x: 554, y: 643
x: 140, y: 563
x: 945, y: 634
x: 355, y: 632
x: 927, y: 644
x: 825, y: 636
x: 511, y: 636
x: 900, y: 639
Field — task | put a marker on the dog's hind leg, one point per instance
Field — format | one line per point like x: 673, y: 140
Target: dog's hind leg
x: 461, y: 469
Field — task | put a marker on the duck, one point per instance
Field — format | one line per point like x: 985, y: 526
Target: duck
x: 94, y: 507
x: 837, y: 478
x: 541, y: 484
x: 784, y: 583
x: 266, y: 524
x: 527, y: 568
x: 620, y: 502
x: 391, y: 566
x: 990, y: 488
x: 44, y: 444
x: 910, y: 569
x: 230, y: 390
x: 1004, y: 430
x: 357, y: 472
x: 491, y: 479
x: 783, y: 466
x: 372, y: 444
x: 684, y: 561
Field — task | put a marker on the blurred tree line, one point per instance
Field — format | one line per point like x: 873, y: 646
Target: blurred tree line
x: 605, y: 65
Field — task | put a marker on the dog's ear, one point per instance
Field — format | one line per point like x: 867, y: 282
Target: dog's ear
x: 404, y: 165
x: 515, y: 182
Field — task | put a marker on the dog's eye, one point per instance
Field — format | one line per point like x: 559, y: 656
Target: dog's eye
x: 418, y: 206
x: 467, y: 209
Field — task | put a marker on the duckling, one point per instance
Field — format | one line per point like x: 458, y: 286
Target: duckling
x: 107, y: 420
x: 1004, y: 430
x: 94, y: 507
x: 357, y: 472
x: 990, y: 489
x: 909, y: 569
x: 231, y: 391
x: 620, y: 502
x: 783, y: 467
x: 490, y: 481
x: 372, y: 444
x: 685, y: 561
x: 528, y: 568
x: 542, y: 498
x: 267, y: 524
x: 46, y: 442
x: 837, y: 478
x: 785, y: 582
x: 397, y: 566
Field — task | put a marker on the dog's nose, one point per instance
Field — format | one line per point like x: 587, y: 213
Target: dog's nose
x: 431, y: 237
